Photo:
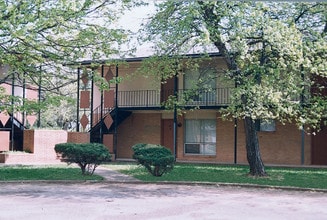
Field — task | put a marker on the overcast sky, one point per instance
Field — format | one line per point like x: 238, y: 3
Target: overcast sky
x: 133, y: 19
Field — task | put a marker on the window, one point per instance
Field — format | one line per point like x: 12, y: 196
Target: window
x: 200, y: 137
x: 201, y: 85
x: 267, y: 125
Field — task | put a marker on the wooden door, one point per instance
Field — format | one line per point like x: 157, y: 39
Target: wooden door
x: 167, y: 134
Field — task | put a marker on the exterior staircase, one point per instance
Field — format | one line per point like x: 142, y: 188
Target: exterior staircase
x: 111, y: 118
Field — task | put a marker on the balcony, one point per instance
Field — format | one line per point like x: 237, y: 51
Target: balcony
x: 153, y: 98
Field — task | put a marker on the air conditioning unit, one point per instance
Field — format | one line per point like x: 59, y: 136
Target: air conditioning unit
x: 192, y: 148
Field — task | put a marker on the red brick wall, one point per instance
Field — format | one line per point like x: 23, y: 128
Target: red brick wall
x: 225, y: 141
x: 20, y: 158
x: 29, y: 141
x: 41, y: 143
x: 138, y: 128
x: 282, y: 146
x: 44, y: 143
x: 3, y: 158
x: 108, y: 140
x: 78, y: 137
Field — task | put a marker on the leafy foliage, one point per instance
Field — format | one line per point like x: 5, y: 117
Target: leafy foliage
x: 38, y: 38
x: 155, y: 158
x: 86, y: 155
x: 274, y: 51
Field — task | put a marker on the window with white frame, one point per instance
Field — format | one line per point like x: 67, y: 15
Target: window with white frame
x: 200, y: 137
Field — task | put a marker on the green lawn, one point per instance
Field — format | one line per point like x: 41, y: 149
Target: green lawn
x: 315, y: 178
x: 16, y: 173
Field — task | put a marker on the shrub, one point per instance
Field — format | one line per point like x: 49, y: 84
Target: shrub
x: 155, y: 158
x: 86, y: 155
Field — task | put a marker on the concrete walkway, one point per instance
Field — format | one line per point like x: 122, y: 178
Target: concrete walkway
x: 114, y: 176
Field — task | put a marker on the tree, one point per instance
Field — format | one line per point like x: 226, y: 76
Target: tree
x: 88, y: 156
x: 273, y: 52
x: 157, y: 159
x: 37, y: 39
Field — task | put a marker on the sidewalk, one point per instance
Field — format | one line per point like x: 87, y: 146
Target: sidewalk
x: 114, y: 176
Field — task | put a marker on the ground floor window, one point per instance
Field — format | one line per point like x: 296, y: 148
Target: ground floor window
x: 200, y: 137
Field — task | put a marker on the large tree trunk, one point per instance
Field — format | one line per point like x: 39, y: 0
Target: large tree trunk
x: 252, y: 144
x: 252, y: 148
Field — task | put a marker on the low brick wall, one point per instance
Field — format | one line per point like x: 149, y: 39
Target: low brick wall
x: 26, y: 159
x: 4, y: 143
x: 41, y: 144
x: 78, y: 137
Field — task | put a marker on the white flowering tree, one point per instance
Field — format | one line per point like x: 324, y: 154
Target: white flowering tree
x: 38, y: 37
x: 274, y: 53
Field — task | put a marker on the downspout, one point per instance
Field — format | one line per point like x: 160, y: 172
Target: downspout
x: 78, y: 97
x: 302, y: 146
x: 235, y: 135
x: 39, y: 100
x: 101, y: 108
x: 116, y: 116
x: 175, y: 114
x: 91, y: 110
x: 235, y: 141
x: 12, y: 111
x: 302, y: 130
x: 24, y: 96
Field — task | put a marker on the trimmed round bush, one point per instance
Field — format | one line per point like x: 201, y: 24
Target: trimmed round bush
x: 86, y: 155
x: 155, y: 158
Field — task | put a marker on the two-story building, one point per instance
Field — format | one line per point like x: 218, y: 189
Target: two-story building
x: 131, y: 112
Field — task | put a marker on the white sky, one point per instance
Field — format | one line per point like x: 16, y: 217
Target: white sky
x: 133, y: 19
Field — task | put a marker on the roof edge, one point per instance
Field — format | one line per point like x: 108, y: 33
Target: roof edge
x: 136, y: 59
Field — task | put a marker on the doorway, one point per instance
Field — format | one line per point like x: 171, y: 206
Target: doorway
x: 167, y: 134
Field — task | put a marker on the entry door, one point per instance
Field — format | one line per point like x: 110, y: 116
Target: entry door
x: 167, y: 134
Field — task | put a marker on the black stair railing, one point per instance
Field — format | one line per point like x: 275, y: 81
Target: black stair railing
x: 96, y: 113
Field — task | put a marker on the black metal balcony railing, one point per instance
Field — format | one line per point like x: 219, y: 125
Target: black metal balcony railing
x: 141, y: 98
x: 154, y: 98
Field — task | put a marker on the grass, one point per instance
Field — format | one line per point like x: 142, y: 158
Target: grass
x: 314, y: 178
x: 19, y: 173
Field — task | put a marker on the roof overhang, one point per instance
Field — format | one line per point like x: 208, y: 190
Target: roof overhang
x: 136, y: 59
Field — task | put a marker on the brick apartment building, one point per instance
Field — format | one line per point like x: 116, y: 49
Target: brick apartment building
x: 131, y: 112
